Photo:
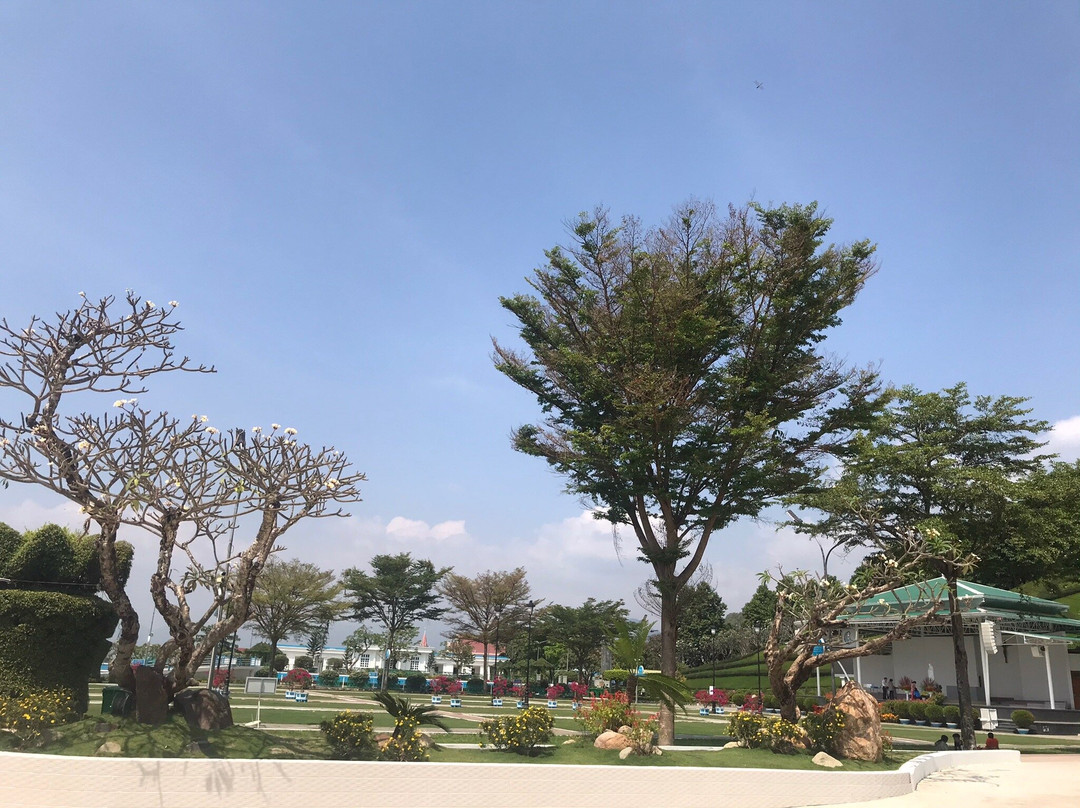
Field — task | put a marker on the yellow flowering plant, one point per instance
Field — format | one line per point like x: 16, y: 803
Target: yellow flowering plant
x: 30, y: 716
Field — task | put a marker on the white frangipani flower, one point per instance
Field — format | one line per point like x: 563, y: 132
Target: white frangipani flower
x: 290, y: 431
x: 120, y: 402
x: 211, y: 430
x: 173, y: 303
x: 149, y: 304
x: 83, y: 445
x: 256, y: 429
x: 275, y: 427
x: 203, y: 419
x: 82, y: 294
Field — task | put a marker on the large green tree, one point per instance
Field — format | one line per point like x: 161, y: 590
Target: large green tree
x: 583, y: 630
x: 489, y: 604
x: 398, y: 592
x: 950, y: 468
x: 680, y: 376
x: 292, y: 598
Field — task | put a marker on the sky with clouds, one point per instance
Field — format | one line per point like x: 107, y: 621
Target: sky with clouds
x: 338, y: 193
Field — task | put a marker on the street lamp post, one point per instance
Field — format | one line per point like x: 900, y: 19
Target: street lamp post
x: 712, y: 653
x: 757, y: 635
x: 495, y: 664
x: 528, y: 652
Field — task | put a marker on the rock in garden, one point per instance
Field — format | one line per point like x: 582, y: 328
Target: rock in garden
x: 826, y: 760
x: 625, y: 753
x: 151, y: 700
x: 861, y: 737
x: 204, y: 709
x: 569, y: 741
x: 624, y: 730
x: 611, y: 740
x: 109, y: 748
x: 656, y: 750
x: 732, y: 745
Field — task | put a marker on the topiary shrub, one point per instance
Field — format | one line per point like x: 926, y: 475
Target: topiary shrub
x: 281, y: 662
x: 264, y: 673
x: 935, y: 714
x: 951, y: 714
x: 475, y: 686
x: 1023, y: 719
x: 358, y: 679
x: 305, y: 662
x: 917, y: 710
x: 416, y: 683
x: 350, y: 736
x: 520, y: 733
x: 328, y: 679
x: 903, y: 709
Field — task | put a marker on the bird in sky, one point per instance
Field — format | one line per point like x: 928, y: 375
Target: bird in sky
x: 760, y: 85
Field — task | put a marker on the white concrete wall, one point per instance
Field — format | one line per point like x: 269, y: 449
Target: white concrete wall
x: 40, y: 781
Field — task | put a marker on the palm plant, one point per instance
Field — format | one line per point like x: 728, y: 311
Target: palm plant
x: 409, y: 715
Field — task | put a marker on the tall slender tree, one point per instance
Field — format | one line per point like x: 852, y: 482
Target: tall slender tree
x: 399, y: 591
x: 680, y: 377
x: 291, y: 598
x: 948, y: 467
x: 490, y: 603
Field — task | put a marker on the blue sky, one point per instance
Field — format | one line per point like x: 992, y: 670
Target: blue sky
x: 338, y: 193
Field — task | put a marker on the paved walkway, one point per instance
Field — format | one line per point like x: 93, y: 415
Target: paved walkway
x: 1041, y: 781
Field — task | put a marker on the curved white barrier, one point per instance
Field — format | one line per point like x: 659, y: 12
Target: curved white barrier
x: 36, y: 781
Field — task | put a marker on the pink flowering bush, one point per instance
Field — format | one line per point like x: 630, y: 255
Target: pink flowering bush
x: 554, y: 691
x: 297, y: 679
x: 499, y: 687
x: 578, y: 691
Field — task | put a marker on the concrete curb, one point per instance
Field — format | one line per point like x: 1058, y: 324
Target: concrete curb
x: 40, y: 781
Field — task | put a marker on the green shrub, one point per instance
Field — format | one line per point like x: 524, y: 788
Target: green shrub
x: 951, y: 713
x: 770, y: 701
x: 824, y: 728
x: 782, y: 737
x: 280, y: 663
x: 264, y: 673
x: 934, y: 713
x: 520, y: 733
x: 29, y: 716
x: 350, y: 736
x: 608, y: 712
x: 475, y: 686
x: 807, y: 704
x: 416, y: 683
x: 328, y: 679
x: 52, y: 640
x: 937, y: 697
x: 903, y: 709
x: 1023, y: 718
x: 305, y: 662
x: 917, y: 710
x: 746, y: 728
x: 405, y: 744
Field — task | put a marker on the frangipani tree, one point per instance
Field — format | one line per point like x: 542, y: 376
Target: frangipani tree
x: 217, y: 501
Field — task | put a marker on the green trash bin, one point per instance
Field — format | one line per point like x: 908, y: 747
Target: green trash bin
x: 107, y: 696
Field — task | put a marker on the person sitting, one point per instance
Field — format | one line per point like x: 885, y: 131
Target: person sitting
x: 956, y: 742
x: 991, y: 741
x: 942, y: 744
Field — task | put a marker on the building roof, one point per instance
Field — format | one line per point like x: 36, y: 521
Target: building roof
x: 978, y: 603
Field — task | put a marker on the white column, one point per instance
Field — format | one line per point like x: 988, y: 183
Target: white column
x: 986, y: 668
x: 1049, y: 678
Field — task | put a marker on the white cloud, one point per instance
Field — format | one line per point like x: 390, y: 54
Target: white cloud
x: 1064, y: 439
x: 406, y: 529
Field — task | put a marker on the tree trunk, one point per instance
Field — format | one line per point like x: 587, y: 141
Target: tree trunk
x: 668, y: 633
x: 960, y: 658
x: 120, y: 667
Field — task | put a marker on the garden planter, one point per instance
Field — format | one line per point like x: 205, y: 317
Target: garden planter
x: 300, y: 698
x: 1023, y: 730
x: 552, y: 703
x: 496, y: 702
x: 905, y: 720
x: 436, y: 699
x: 521, y: 704
x: 455, y: 702
x: 290, y: 695
x: 575, y: 706
x: 703, y: 711
x: 951, y: 726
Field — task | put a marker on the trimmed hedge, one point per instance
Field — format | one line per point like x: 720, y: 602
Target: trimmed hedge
x: 52, y: 640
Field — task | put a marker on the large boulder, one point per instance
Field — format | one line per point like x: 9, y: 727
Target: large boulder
x: 860, y: 738
x: 151, y: 698
x: 612, y: 740
x: 204, y: 709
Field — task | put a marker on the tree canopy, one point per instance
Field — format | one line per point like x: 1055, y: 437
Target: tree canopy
x: 679, y: 373
x: 583, y: 630
x: 489, y: 603
x: 398, y: 592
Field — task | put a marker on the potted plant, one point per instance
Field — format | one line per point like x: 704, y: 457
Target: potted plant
x: 1023, y: 720
x: 553, y: 693
x: 518, y: 691
x: 296, y: 682
x: 498, y: 690
x: 454, y: 688
x: 578, y: 692
x: 935, y: 715
x: 903, y: 711
x: 952, y: 715
x: 438, y: 687
x: 917, y: 711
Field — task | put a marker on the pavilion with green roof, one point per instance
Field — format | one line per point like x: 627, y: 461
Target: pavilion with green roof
x: 1017, y: 645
